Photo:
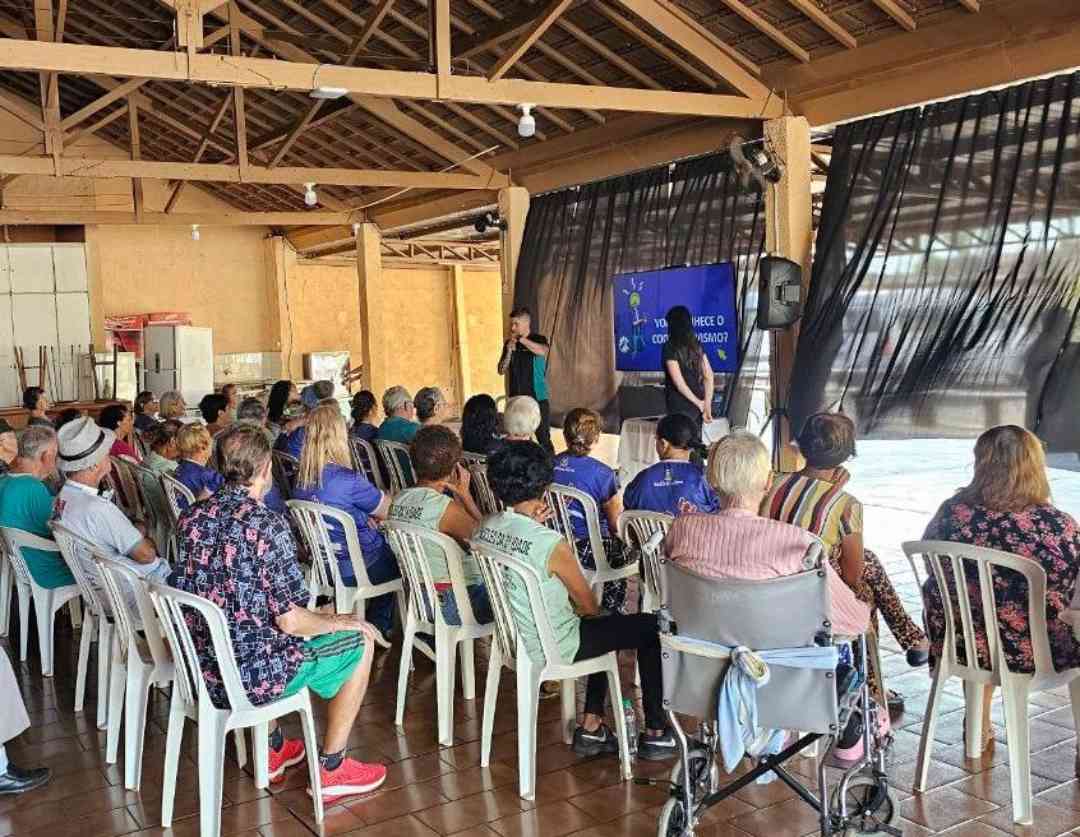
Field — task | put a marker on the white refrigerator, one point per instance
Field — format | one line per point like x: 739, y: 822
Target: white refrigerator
x: 179, y: 358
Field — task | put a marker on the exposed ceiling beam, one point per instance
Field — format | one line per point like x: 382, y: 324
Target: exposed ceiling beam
x: 540, y: 24
x: 674, y: 24
x: 226, y: 173
x: 20, y: 108
x: 136, y: 154
x: 273, y: 74
x: 175, y: 219
x: 204, y: 144
x: 370, y: 28
x: 897, y: 13
x: 767, y: 29
x: 118, y: 92
x: 823, y: 21
x: 511, y: 26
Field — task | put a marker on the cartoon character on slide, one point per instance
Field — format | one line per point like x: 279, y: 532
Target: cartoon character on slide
x: 637, y: 341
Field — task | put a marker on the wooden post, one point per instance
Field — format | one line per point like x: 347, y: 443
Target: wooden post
x: 461, y: 333
x: 373, y: 337
x: 513, y: 209
x: 277, y: 269
x: 789, y: 229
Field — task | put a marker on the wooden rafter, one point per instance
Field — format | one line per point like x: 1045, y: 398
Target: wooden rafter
x: 136, y: 155
x: 294, y: 134
x: 897, y: 13
x: 119, y: 92
x: 814, y: 12
x: 509, y: 27
x: 766, y: 28
x: 239, y: 114
x: 204, y: 144
x: 439, y: 20
x: 19, y: 108
x: 540, y: 24
x: 370, y: 28
x: 178, y: 219
x: 91, y: 129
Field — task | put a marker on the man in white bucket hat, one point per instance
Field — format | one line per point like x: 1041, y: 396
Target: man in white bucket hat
x: 84, y: 459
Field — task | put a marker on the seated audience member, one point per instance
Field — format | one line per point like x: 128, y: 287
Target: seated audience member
x: 674, y: 485
x: 364, y: 408
x: 215, y: 412
x: 400, y: 424
x: 479, y: 425
x: 737, y: 542
x: 520, y: 473
x: 521, y: 418
x: 577, y: 469
x: 195, y: 446
x: 281, y: 394
x: 172, y: 406
x: 145, y: 408
x: 9, y: 446
x: 251, y: 411
x: 13, y: 722
x: 326, y: 476
x: 431, y: 406
x: 440, y: 501
x: 1007, y: 507
x: 292, y: 440
x: 815, y: 499
x: 70, y: 414
x: 84, y: 458
x: 35, y: 401
x: 308, y: 397
x: 27, y: 504
x: 323, y: 391
x: 232, y: 399
x: 239, y: 554
x: 164, y: 448
x: 119, y: 419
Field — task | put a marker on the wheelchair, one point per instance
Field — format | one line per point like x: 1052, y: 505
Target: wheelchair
x: 701, y: 622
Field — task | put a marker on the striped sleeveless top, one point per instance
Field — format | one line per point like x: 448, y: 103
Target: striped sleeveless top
x: 818, y: 506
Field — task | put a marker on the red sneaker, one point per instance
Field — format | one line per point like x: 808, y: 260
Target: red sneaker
x: 351, y: 777
x: 292, y: 752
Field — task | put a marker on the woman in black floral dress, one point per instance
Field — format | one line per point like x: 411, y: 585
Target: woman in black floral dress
x: 1007, y: 507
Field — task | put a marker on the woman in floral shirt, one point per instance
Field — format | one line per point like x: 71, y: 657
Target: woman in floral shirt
x: 1007, y: 507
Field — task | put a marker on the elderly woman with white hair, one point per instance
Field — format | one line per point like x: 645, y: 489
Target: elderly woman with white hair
x: 521, y: 418
x: 737, y: 542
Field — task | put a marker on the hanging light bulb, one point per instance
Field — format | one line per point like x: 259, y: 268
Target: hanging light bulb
x: 527, y: 123
x: 195, y: 235
x: 310, y: 198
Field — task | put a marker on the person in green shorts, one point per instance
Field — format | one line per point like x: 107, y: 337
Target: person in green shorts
x: 27, y: 504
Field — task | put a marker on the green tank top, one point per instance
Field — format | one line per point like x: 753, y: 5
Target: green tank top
x: 425, y: 507
x: 532, y: 543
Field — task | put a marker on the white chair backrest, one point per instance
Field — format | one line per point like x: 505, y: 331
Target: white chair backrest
x: 949, y: 561
x: 79, y: 556
x: 398, y: 464
x: 411, y: 544
x: 567, y: 502
x: 115, y: 579
x: 178, y: 495
x: 127, y: 496
x: 501, y: 572
x: 481, y: 490
x: 155, y: 504
x: 312, y: 519
x: 470, y: 458
x: 366, y: 461
x: 170, y: 606
x: 640, y: 529
x: 12, y: 544
x: 284, y: 467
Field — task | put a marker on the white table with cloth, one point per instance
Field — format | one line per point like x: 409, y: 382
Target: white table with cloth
x: 637, y: 443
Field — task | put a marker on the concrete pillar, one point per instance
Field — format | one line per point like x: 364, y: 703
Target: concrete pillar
x: 789, y: 231
x: 373, y: 336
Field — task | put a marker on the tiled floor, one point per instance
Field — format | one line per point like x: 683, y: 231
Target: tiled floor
x: 442, y: 791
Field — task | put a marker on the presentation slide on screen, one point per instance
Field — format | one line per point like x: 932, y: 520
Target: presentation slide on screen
x: 643, y: 299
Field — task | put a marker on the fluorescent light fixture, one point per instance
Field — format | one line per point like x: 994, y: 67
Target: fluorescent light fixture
x: 324, y: 92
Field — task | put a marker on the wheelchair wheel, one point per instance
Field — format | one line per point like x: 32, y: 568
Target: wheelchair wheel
x: 871, y: 804
x: 672, y: 821
x: 704, y: 773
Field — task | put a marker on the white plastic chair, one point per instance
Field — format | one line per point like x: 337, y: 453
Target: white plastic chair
x: 481, y: 489
x: 127, y: 497
x: 562, y: 499
x: 366, y: 461
x: 190, y: 699
x: 424, y: 615
x: 470, y: 458
x: 284, y: 467
x: 324, y: 574
x: 395, y: 457
x: 510, y: 651
x: 178, y: 495
x: 98, y: 622
x: 646, y: 529
x: 1015, y: 687
x: 46, y: 602
x: 137, y: 664
x: 7, y: 582
x: 157, y: 509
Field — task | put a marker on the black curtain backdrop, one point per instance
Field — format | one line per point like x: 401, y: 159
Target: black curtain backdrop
x: 694, y: 212
x: 944, y: 296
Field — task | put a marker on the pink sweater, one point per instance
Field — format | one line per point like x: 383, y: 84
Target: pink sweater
x: 740, y: 544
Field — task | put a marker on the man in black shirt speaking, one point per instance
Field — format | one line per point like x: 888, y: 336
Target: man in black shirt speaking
x: 524, y: 357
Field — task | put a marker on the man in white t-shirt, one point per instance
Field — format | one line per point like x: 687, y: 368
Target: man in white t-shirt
x: 84, y: 458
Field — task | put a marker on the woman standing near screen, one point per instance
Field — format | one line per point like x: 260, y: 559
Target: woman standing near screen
x: 688, y: 377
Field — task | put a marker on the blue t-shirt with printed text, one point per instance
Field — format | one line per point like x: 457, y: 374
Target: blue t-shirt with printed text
x: 594, y: 478
x: 672, y: 487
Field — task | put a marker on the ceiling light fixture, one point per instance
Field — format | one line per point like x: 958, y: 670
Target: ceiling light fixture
x: 310, y: 197
x: 195, y: 232
x: 527, y: 123
x: 328, y: 92
x: 356, y: 229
